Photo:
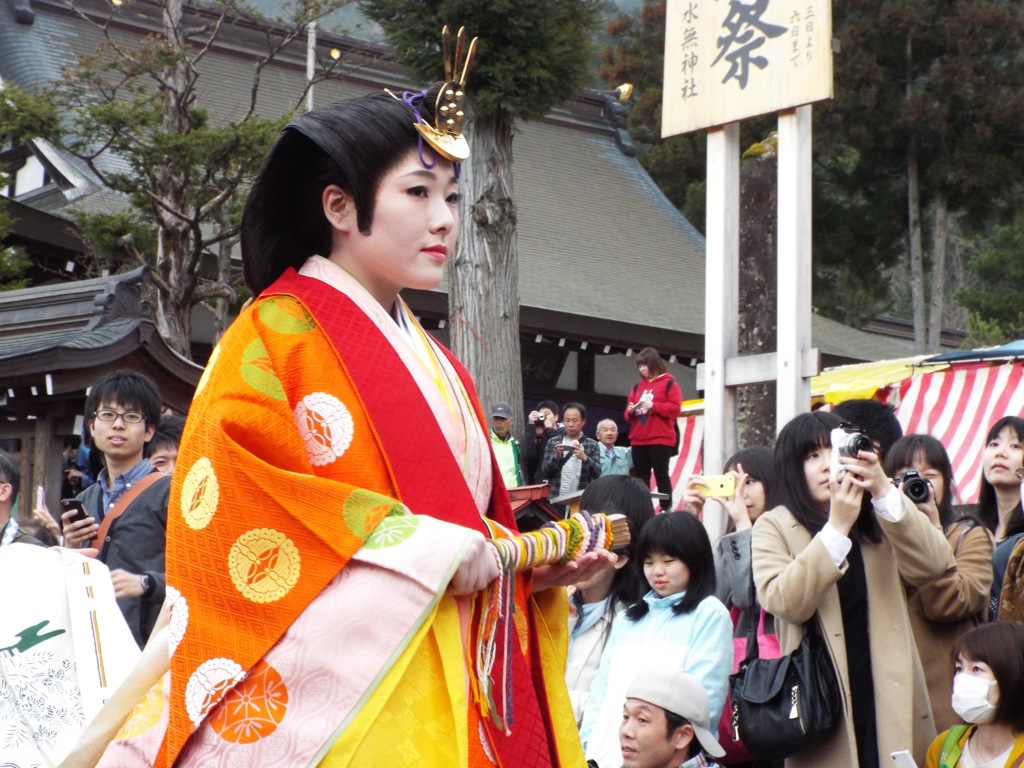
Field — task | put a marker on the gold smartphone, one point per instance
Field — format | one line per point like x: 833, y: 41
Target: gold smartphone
x: 719, y: 486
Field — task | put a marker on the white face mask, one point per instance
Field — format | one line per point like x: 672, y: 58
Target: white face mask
x: 971, y: 698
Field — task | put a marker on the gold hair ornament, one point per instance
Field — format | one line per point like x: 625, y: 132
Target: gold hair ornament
x: 445, y: 135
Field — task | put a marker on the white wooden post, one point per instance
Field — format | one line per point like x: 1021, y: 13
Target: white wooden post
x: 721, y: 305
x: 793, y: 390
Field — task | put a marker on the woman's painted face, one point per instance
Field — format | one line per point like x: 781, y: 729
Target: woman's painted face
x: 415, y: 222
x: 816, y: 469
x: 1003, y: 455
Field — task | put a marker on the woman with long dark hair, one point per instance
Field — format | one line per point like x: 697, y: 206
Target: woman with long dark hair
x: 652, y: 408
x: 956, y: 602
x: 999, y: 499
x: 831, y: 559
x: 754, y: 470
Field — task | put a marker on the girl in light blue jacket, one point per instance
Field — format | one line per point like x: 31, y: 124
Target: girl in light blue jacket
x: 679, y: 624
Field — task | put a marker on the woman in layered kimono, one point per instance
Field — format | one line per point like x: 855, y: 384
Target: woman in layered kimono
x: 329, y: 578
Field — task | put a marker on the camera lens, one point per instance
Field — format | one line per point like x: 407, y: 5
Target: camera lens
x: 853, y: 443
x: 914, y: 486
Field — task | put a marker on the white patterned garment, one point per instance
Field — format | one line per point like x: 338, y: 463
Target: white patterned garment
x: 64, y: 647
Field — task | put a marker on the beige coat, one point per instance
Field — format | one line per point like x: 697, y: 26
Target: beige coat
x: 947, y: 608
x: 796, y: 581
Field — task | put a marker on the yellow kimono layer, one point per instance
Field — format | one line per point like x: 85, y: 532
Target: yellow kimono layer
x: 332, y: 472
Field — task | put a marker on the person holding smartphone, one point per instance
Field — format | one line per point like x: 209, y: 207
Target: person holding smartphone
x: 122, y: 410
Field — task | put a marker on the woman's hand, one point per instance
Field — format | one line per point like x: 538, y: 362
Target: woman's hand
x: 479, y: 567
x: 867, y: 474
x: 736, y: 505
x: 930, y: 507
x: 844, y: 508
x: 693, y: 496
x: 584, y: 568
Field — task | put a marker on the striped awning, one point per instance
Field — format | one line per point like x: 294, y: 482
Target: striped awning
x: 958, y: 406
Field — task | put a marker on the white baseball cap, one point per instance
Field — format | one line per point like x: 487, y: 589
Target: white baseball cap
x: 682, y: 694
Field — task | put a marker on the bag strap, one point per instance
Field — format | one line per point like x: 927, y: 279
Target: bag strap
x: 949, y: 754
x: 124, y: 502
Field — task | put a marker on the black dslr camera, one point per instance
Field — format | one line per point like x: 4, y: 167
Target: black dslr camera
x: 914, y: 486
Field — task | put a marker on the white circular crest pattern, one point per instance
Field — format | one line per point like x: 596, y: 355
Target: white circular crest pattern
x: 326, y: 427
x: 208, y: 684
x: 178, y: 622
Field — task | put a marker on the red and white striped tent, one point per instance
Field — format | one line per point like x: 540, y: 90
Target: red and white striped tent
x: 955, y: 401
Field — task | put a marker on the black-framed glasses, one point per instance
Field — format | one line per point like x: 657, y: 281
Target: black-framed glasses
x: 128, y: 417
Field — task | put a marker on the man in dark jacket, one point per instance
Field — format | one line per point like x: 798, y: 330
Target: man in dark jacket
x: 122, y: 412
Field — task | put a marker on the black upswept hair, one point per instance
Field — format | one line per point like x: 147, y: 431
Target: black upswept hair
x: 805, y: 433
x: 679, y: 535
x: 353, y: 144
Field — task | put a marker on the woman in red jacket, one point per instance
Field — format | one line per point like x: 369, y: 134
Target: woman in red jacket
x: 651, y: 410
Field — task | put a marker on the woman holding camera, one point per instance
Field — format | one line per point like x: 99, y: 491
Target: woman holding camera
x: 942, y: 611
x: 988, y: 687
x: 652, y: 409
x: 754, y: 471
x: 833, y: 556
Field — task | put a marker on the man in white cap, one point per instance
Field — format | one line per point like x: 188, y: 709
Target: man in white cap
x: 665, y: 722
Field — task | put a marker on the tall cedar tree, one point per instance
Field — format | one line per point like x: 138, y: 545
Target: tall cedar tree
x: 924, y: 135
x: 183, y: 176
x: 532, y: 55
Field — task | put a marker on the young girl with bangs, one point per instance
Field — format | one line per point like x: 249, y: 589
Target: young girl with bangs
x: 678, y: 622
x: 832, y: 557
x: 942, y: 611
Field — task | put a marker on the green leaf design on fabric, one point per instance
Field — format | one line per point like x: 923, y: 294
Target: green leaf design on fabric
x: 286, y: 315
x: 393, y: 530
x: 363, y: 510
x: 258, y: 372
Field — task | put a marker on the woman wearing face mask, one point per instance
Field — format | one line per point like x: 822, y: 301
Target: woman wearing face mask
x: 988, y: 687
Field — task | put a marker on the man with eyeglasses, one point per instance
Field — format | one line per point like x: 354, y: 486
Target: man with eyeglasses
x: 122, y: 411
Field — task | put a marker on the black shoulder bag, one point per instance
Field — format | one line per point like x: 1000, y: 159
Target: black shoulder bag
x: 785, y: 705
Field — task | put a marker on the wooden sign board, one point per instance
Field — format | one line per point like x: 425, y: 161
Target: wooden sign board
x: 726, y: 60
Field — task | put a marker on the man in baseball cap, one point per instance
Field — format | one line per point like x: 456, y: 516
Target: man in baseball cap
x: 665, y: 722
x: 506, y: 447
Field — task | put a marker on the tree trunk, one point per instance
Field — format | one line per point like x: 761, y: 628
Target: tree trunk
x: 758, y: 297
x: 174, y: 282
x: 937, y: 309
x: 483, y: 278
x: 915, y: 255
